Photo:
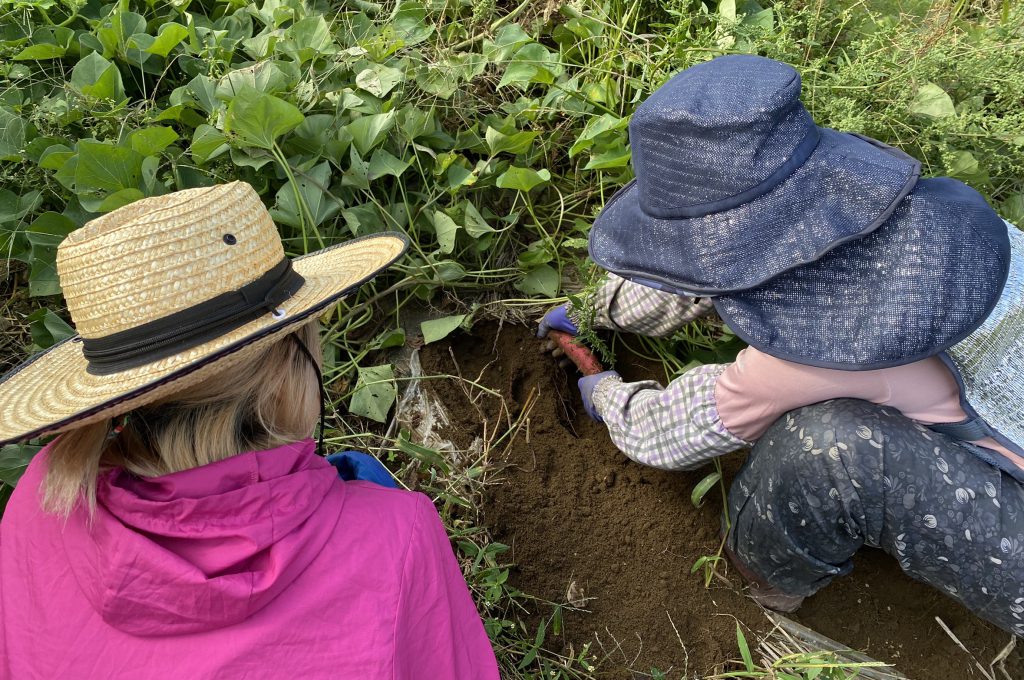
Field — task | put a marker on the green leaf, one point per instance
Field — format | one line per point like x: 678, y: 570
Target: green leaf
x: 532, y: 63
x: 14, y: 206
x: 104, y: 168
x: 515, y: 143
x: 12, y: 135
x: 375, y: 392
x: 311, y: 191
x: 595, y: 127
x: 538, y: 253
x: 741, y: 640
x: 363, y: 219
x: 509, y: 38
x: 35, y: 149
x: 537, y: 643
x: 474, y: 223
x: 383, y: 163
x: 542, y: 281
x: 702, y: 488
x: 393, y: 338
x: 201, y: 90
x: 932, y: 101
x: 963, y: 165
x: 122, y: 26
x: 445, y: 228
x: 55, y: 156
x: 1012, y: 209
x: 311, y: 37
x: 48, y: 329
x: 167, y: 39
x: 14, y: 458
x: 207, y: 143
x: 119, y: 199
x: 444, y: 76
x: 96, y: 77
x: 44, y: 235
x: 410, y: 23
x: 267, y: 77
x: 258, y: 119
x: 439, y: 329
x: 421, y: 453
x: 615, y: 158
x: 358, y: 171
x: 40, y: 52
x: 378, y: 79
x: 763, y: 19
x: 522, y: 179
x: 369, y: 131
x: 152, y: 140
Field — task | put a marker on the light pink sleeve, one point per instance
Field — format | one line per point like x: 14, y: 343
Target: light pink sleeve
x: 438, y: 632
x: 757, y: 389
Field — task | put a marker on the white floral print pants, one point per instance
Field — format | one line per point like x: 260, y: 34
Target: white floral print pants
x: 826, y: 479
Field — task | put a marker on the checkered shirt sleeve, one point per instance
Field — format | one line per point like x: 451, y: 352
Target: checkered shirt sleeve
x: 622, y: 305
x: 672, y: 428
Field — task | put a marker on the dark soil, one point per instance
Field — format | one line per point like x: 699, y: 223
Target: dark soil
x: 588, y: 526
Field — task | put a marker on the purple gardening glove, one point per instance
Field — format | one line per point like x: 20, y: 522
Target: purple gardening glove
x: 587, y: 384
x: 557, y: 319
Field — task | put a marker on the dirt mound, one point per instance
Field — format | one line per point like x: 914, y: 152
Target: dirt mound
x: 588, y: 526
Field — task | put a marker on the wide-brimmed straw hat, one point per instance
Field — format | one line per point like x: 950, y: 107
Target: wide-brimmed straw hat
x: 919, y: 284
x: 735, y: 184
x: 168, y: 291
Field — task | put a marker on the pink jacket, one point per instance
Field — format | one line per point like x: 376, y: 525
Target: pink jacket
x: 264, y: 565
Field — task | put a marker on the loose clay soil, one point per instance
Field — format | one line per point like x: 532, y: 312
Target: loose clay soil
x: 588, y: 526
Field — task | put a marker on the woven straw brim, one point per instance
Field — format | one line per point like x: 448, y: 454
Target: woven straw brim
x: 53, y: 392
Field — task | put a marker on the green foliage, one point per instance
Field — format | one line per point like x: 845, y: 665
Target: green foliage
x: 438, y: 329
x: 375, y: 392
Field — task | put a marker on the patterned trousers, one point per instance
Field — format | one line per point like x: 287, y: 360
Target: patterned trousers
x: 826, y: 479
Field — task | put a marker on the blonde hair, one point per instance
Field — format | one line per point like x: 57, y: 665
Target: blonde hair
x: 268, y: 402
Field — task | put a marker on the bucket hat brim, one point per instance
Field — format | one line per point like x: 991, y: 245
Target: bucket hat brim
x: 54, y: 392
x: 916, y: 286
x: 847, y: 187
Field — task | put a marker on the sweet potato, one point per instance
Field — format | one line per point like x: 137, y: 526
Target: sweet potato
x: 583, y: 357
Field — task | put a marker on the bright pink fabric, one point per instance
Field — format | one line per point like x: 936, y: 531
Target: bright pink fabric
x: 264, y: 565
x: 758, y: 388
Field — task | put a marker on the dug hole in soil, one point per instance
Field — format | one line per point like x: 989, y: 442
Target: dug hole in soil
x: 587, y: 525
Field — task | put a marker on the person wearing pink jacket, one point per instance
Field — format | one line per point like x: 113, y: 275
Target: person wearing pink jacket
x: 183, y: 523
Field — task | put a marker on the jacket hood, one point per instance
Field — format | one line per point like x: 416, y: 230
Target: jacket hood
x: 205, y: 548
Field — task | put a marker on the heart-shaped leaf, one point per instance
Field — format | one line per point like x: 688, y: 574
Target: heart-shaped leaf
x: 523, y: 179
x: 439, y: 329
x: 375, y: 392
x: 445, y: 228
x: 98, y: 78
x: 258, y: 119
x: 542, y: 281
x: 932, y: 102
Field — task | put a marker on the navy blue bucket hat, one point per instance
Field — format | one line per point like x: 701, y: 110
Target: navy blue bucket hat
x: 735, y: 184
x: 919, y: 284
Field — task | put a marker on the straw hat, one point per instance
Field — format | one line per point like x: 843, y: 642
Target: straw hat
x: 166, y: 292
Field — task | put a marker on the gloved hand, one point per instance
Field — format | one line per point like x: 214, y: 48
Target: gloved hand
x: 557, y: 319
x: 587, y: 384
x: 356, y: 465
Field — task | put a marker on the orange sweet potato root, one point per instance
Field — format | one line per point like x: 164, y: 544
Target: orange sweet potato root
x: 584, y: 359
